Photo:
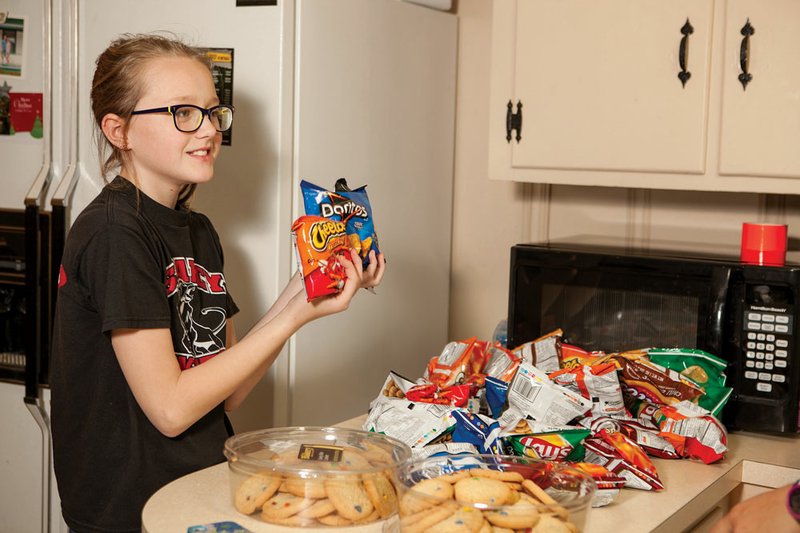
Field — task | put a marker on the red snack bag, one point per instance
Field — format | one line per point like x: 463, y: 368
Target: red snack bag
x: 457, y: 395
x: 603, y: 477
x: 647, y: 436
x: 694, y: 435
x: 574, y: 356
x: 624, y: 457
x: 608, y: 483
x: 421, y: 393
x: 317, y: 241
x: 458, y: 361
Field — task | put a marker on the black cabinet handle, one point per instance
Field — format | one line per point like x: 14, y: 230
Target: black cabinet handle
x: 514, y: 121
x: 744, y: 54
x: 683, y: 54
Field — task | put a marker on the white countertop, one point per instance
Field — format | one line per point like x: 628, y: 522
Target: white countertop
x: 691, y: 489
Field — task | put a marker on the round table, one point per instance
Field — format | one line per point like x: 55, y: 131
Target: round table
x: 204, y: 497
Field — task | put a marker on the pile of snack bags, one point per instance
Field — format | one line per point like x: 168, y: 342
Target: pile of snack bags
x: 335, y: 221
x: 605, y: 413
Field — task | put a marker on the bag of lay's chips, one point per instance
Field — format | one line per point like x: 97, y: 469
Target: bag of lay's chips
x: 349, y: 206
x: 564, y: 445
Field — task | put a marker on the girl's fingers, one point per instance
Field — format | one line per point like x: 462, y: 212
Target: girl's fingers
x: 380, y: 268
x: 372, y: 266
x: 356, y: 260
x: 353, y: 273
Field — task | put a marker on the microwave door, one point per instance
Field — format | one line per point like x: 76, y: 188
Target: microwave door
x: 613, y: 303
x: 613, y: 312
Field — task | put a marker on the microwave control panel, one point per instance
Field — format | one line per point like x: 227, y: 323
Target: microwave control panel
x: 767, y: 341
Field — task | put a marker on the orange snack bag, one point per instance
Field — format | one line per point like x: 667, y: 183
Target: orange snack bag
x: 318, y: 241
x: 457, y: 363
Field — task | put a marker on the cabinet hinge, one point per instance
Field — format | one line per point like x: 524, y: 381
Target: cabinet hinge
x: 514, y: 121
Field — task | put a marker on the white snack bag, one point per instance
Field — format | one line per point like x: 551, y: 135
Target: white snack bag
x: 414, y: 423
x: 603, y: 388
x: 542, y: 352
x: 445, y: 448
x: 535, y: 396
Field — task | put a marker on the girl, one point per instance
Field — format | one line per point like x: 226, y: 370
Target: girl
x: 145, y: 360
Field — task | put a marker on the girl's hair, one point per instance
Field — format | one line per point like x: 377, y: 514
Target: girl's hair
x: 117, y: 87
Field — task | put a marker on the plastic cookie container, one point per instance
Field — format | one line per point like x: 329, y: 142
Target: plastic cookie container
x: 474, y: 492
x: 316, y: 477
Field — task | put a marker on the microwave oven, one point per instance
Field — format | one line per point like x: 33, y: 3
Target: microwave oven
x: 615, y: 299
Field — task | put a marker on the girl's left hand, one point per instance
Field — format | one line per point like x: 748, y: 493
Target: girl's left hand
x: 372, y: 276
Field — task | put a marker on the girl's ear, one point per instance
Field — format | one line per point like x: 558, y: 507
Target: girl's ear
x: 113, y: 127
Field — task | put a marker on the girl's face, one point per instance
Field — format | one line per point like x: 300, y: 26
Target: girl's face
x: 163, y: 158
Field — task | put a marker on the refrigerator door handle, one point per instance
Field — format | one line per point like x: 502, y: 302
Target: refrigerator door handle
x: 69, y: 180
x: 66, y: 186
x: 36, y: 409
x: 34, y: 200
x: 60, y: 201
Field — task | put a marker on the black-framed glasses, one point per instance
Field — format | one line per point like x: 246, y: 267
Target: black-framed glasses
x: 188, y: 118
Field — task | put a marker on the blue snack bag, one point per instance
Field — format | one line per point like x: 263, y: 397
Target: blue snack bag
x: 496, y: 395
x: 219, y: 527
x: 483, y: 432
x: 350, y: 206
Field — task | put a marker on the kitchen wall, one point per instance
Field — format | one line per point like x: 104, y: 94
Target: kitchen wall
x: 490, y: 216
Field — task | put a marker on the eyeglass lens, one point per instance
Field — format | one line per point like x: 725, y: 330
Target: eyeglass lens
x: 189, y: 118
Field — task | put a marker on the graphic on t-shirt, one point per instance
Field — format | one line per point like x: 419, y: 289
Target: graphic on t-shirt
x: 200, y: 326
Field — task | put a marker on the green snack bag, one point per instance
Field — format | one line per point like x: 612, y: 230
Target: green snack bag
x: 562, y: 445
x: 704, y: 369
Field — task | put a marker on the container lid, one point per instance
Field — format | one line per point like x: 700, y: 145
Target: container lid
x: 315, y: 449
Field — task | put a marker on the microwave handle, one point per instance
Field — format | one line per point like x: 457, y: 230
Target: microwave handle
x: 720, y: 282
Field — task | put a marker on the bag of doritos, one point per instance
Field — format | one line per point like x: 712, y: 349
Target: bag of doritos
x: 349, y: 206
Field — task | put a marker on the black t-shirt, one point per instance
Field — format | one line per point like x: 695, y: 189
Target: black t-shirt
x: 130, y: 262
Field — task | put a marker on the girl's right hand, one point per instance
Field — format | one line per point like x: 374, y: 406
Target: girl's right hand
x: 338, y: 302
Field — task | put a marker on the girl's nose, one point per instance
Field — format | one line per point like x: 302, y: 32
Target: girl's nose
x: 206, y: 128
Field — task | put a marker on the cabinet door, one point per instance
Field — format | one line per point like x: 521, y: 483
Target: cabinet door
x: 599, y: 84
x: 761, y: 121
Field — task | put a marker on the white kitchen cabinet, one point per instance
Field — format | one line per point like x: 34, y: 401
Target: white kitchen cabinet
x: 597, y: 77
x: 760, y: 134
x: 602, y: 102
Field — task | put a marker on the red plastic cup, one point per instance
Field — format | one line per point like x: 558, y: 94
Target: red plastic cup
x: 764, y: 244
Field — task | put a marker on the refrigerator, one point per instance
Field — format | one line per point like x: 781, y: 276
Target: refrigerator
x: 355, y: 89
